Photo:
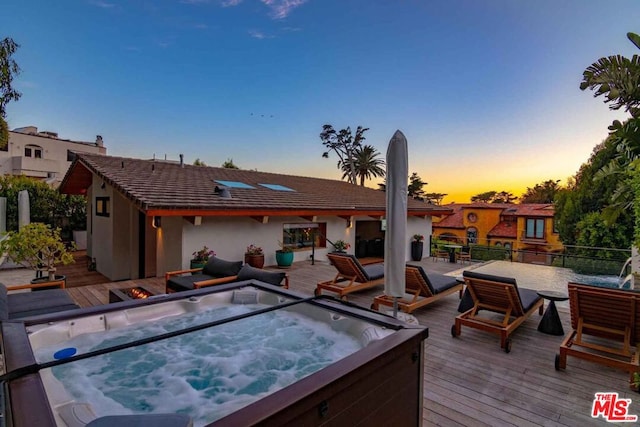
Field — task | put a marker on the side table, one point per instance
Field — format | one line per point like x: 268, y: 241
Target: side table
x: 550, y: 322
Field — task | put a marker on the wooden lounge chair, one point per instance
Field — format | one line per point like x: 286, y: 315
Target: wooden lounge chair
x: 605, y: 326
x: 421, y: 289
x: 352, y: 276
x: 500, y: 295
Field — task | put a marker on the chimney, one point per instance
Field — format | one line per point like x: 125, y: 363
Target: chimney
x: 99, y: 140
x: 222, y: 191
x: 181, y: 160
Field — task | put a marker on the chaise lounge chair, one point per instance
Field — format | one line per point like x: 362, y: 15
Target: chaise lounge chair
x: 606, y: 328
x: 218, y: 271
x: 352, y: 276
x: 421, y: 289
x: 500, y: 295
x: 14, y: 306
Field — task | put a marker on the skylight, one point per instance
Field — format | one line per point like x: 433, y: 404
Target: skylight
x: 233, y: 184
x: 277, y: 187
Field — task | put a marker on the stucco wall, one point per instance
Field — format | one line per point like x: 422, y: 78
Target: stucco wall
x: 54, y: 155
x: 101, y: 231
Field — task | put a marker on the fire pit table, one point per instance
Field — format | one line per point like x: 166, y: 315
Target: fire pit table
x: 126, y: 294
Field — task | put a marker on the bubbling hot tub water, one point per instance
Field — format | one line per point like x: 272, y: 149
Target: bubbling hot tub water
x: 229, y: 365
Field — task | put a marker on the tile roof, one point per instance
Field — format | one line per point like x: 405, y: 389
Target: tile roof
x: 454, y: 220
x: 504, y: 229
x: 165, y: 186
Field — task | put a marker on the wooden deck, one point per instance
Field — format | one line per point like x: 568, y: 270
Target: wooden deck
x: 469, y: 380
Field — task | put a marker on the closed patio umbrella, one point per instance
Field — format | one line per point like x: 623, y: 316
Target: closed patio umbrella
x: 395, y: 243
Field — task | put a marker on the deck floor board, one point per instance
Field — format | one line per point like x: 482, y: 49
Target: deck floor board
x: 468, y: 380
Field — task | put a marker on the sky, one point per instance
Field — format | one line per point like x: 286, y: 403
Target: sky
x: 486, y: 91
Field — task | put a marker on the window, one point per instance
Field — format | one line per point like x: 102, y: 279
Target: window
x: 555, y: 226
x: 472, y: 235
x: 71, y: 156
x: 472, y: 217
x: 304, y: 235
x: 535, y: 228
x: 102, y: 206
x: 33, y: 151
x: 498, y: 244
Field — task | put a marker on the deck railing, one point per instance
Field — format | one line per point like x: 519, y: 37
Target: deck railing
x: 582, y: 259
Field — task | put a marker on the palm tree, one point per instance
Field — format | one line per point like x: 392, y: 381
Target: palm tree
x: 344, y: 144
x: 366, y: 163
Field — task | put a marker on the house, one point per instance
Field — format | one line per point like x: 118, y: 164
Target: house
x: 42, y: 154
x: 146, y: 217
x: 526, y: 228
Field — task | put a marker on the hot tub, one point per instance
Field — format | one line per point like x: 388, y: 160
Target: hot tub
x: 374, y: 376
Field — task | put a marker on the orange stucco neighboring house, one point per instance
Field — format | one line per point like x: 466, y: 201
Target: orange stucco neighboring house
x: 526, y: 228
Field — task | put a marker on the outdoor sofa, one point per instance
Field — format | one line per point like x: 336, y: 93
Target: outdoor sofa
x: 14, y: 306
x: 218, y: 271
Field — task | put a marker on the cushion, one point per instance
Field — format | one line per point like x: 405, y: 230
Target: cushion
x: 251, y: 273
x: 373, y: 271
x: 439, y: 282
x: 217, y: 267
x: 528, y: 298
x: 185, y: 283
x: 490, y: 277
x: 26, y: 304
x: 4, y: 306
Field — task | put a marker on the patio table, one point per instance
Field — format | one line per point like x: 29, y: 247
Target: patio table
x: 452, y: 251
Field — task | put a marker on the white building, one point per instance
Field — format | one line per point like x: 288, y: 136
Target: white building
x: 42, y: 154
x: 147, y: 217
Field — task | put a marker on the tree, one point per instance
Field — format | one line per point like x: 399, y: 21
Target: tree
x: 435, y: 198
x: 8, y: 70
x: 618, y: 79
x: 415, y: 187
x: 344, y: 144
x: 198, y: 162
x: 367, y: 164
x: 541, y: 193
x: 494, y: 197
x: 228, y: 164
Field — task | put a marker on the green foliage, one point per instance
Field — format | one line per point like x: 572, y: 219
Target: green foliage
x: 37, y: 246
x: 541, y: 193
x: 434, y: 198
x: 228, y: 164
x: 198, y: 162
x: 635, y: 188
x: 8, y: 70
x: 489, y: 253
x: 584, y: 194
x: 415, y: 187
x: 594, y: 231
x: 367, y: 164
x: 4, y: 133
x: 47, y: 205
x: 582, y: 265
x: 494, y: 197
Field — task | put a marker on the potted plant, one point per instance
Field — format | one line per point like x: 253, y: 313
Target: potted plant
x: 417, y: 245
x: 201, y: 257
x: 254, y: 256
x: 284, y: 256
x: 341, y: 246
x: 40, y: 247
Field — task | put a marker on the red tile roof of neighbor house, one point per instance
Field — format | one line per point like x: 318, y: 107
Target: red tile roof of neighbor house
x: 456, y: 219
x: 504, y: 229
x: 167, y: 188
